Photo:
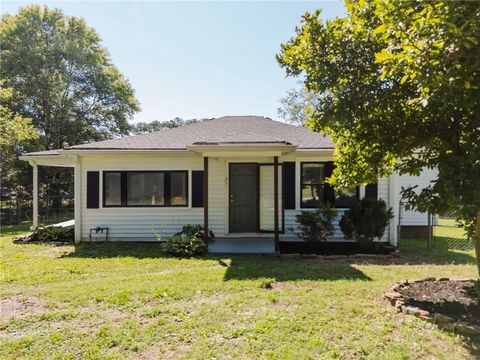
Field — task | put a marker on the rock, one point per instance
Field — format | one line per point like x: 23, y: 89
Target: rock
x: 21, y: 239
x: 392, y: 295
x: 443, y: 319
x: 426, y: 279
x: 468, y: 329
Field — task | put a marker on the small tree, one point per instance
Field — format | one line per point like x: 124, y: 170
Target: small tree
x: 316, y: 226
x: 365, y: 221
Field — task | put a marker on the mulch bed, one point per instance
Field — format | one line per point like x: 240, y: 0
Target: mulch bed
x: 457, y: 299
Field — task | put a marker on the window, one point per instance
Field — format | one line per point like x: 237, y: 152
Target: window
x: 312, y: 185
x: 345, y: 198
x: 178, y: 189
x: 145, y: 188
x: 112, y: 190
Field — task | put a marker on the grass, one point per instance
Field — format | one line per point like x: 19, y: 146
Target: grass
x: 109, y: 301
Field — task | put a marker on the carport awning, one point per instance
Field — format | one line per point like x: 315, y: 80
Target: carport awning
x: 49, y: 158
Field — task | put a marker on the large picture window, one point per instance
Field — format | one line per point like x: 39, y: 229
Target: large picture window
x: 312, y: 184
x: 145, y: 188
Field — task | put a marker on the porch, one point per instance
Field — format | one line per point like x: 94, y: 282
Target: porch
x: 243, y: 245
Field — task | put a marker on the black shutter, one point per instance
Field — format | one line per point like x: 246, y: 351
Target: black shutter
x: 371, y: 191
x: 197, y: 188
x: 93, y: 189
x: 329, y: 193
x: 289, y: 185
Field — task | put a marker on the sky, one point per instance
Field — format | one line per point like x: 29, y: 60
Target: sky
x: 196, y: 59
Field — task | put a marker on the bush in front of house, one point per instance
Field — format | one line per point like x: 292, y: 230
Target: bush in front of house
x: 196, y: 231
x: 53, y: 234
x: 366, y: 221
x: 184, y: 246
x: 317, y: 225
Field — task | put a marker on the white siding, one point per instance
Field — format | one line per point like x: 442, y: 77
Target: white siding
x: 414, y: 218
x: 266, y: 200
x: 143, y: 224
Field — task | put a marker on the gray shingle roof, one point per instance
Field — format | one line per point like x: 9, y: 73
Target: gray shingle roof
x: 227, y: 129
x: 43, y: 153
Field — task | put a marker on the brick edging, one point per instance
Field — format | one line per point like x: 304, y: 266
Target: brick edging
x: 397, y: 299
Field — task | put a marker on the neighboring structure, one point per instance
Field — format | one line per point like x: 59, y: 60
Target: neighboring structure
x: 232, y: 174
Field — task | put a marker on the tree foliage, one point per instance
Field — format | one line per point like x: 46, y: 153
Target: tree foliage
x: 295, y: 108
x: 62, y: 78
x: 14, y: 128
x: 399, y: 85
x: 148, y: 127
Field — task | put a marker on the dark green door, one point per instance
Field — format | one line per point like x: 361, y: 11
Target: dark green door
x: 243, y: 195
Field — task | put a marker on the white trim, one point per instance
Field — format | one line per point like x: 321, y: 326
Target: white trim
x: 78, y: 199
x: 35, y: 195
x: 393, y: 230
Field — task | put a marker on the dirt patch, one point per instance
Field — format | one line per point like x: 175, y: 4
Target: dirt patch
x: 457, y: 299
x: 19, y: 306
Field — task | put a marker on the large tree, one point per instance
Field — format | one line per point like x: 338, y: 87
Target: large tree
x: 399, y: 90
x: 148, y: 127
x: 15, y: 131
x: 63, y: 79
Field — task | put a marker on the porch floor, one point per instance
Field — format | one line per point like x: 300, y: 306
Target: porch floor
x: 255, y: 245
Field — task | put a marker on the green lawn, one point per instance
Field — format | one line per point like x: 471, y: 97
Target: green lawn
x: 129, y: 301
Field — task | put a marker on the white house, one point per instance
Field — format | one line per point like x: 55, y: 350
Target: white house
x: 222, y: 173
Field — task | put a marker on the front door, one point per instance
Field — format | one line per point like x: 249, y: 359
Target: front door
x: 243, y: 197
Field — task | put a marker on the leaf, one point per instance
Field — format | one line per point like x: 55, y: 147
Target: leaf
x: 404, y: 79
x: 467, y: 85
x: 380, y: 29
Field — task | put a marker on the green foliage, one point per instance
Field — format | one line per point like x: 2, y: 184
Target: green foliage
x: 144, y: 128
x: 365, y: 221
x: 296, y: 106
x: 184, y: 246
x: 14, y: 128
x: 196, y: 232
x: 62, y: 78
x: 53, y: 234
x: 316, y: 225
x: 398, y: 86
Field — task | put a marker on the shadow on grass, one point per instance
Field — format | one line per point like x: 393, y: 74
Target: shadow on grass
x: 255, y: 267
x: 442, y: 253
x: 102, y: 250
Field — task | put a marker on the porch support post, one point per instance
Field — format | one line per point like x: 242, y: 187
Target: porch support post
x: 205, y: 197
x: 78, y: 199
x: 275, y: 204
x: 35, y: 196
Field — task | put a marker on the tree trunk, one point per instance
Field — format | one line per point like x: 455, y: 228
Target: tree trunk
x: 476, y: 237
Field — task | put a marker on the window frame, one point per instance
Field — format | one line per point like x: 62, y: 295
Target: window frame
x: 124, y: 188
x: 302, y: 204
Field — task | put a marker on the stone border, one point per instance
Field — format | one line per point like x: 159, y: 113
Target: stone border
x: 396, y: 299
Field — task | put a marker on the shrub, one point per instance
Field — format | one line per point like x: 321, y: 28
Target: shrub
x: 184, y: 246
x: 365, y: 221
x: 197, y: 232
x: 316, y: 225
x: 53, y: 234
